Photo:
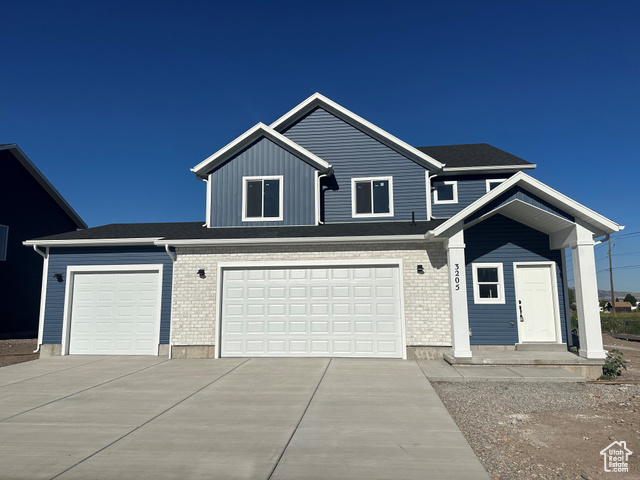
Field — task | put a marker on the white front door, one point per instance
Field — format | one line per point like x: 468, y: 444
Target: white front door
x: 312, y: 312
x: 536, y: 303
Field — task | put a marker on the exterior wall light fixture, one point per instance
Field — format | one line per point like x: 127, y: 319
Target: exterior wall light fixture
x: 420, y: 269
x: 201, y: 273
x: 58, y: 277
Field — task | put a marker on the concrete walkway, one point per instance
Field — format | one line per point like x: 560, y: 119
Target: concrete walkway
x: 441, y: 371
x: 148, y: 417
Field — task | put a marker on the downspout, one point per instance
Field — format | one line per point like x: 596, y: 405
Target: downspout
x: 43, y: 293
x: 172, y: 256
x: 318, y: 195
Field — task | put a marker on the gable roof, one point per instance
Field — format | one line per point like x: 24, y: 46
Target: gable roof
x: 475, y: 156
x: 259, y: 131
x: 599, y: 224
x: 318, y: 100
x: 44, y: 183
x: 195, y: 233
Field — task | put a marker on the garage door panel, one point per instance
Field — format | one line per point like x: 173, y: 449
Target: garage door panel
x: 114, y: 313
x: 312, y: 312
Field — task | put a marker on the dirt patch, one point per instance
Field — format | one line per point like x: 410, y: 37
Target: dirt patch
x: 17, y: 351
x: 550, y: 430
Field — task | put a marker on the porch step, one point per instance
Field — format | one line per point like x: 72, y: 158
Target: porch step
x: 529, y: 358
x: 541, y: 347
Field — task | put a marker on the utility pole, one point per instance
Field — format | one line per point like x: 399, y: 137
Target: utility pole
x: 613, y: 299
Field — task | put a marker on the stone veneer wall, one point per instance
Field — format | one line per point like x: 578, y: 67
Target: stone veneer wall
x: 426, y: 296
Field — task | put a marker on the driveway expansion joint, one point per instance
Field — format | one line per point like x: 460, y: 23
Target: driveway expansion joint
x: 275, y: 467
x: 55, y: 371
x: 81, y: 391
x: 150, y: 420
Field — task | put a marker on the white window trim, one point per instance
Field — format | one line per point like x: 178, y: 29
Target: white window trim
x: 476, y: 285
x: 489, y: 181
x: 353, y: 197
x: 6, y: 241
x: 436, y: 201
x: 244, y: 199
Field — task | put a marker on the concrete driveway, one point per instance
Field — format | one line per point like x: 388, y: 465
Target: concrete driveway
x: 81, y: 417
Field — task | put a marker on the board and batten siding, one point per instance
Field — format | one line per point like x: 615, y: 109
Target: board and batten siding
x: 354, y: 154
x: 263, y: 158
x: 60, y: 258
x: 470, y: 189
x: 518, y: 193
x: 502, y: 240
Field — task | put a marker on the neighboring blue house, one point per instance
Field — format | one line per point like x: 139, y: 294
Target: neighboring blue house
x: 31, y: 207
x: 325, y: 235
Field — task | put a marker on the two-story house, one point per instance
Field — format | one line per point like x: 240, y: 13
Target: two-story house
x: 327, y: 236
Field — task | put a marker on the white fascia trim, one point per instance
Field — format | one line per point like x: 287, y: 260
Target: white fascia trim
x: 292, y: 240
x: 488, y: 169
x: 318, y: 99
x: 538, y: 188
x: 93, y: 242
x: 249, y: 136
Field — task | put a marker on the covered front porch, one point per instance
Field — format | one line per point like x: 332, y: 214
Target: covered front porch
x: 508, y: 278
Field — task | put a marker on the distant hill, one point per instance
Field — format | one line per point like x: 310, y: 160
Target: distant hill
x: 606, y: 295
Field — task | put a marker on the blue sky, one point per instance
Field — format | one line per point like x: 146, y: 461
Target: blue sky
x: 115, y: 101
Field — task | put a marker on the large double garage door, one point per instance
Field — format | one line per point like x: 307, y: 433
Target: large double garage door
x: 114, y: 313
x: 352, y: 311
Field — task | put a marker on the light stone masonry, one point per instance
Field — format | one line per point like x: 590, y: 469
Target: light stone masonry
x: 426, y: 296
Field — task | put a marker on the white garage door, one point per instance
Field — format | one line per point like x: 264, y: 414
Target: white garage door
x: 311, y: 312
x: 115, y: 313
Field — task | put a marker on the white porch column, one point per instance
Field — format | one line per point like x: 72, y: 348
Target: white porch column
x: 584, y: 273
x: 458, y: 296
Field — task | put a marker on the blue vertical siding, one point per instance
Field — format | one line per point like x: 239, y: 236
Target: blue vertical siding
x: 60, y: 258
x: 470, y: 189
x: 502, y: 240
x: 355, y: 154
x: 518, y: 193
x: 263, y: 158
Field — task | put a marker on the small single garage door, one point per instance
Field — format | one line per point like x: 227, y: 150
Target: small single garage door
x: 311, y: 312
x: 115, y: 313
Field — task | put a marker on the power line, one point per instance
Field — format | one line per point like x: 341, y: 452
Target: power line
x: 624, y: 267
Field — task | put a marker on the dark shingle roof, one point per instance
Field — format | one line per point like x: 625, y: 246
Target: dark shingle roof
x: 473, y: 155
x: 196, y: 231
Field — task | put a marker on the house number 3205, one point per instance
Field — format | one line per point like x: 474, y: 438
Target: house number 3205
x: 456, y: 276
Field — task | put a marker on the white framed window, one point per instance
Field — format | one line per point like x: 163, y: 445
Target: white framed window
x: 4, y: 239
x: 372, y: 197
x: 488, y: 283
x: 493, y: 183
x: 445, y: 192
x: 262, y: 198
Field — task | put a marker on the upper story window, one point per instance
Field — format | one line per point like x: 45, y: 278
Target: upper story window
x: 493, y: 183
x: 445, y: 192
x: 372, y: 197
x: 262, y: 198
x: 488, y: 283
x: 4, y: 238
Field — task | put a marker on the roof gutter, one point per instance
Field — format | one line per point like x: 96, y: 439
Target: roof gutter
x: 291, y: 240
x: 98, y: 242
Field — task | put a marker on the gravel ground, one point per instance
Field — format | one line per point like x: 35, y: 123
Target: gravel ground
x: 550, y: 430
x: 17, y: 351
